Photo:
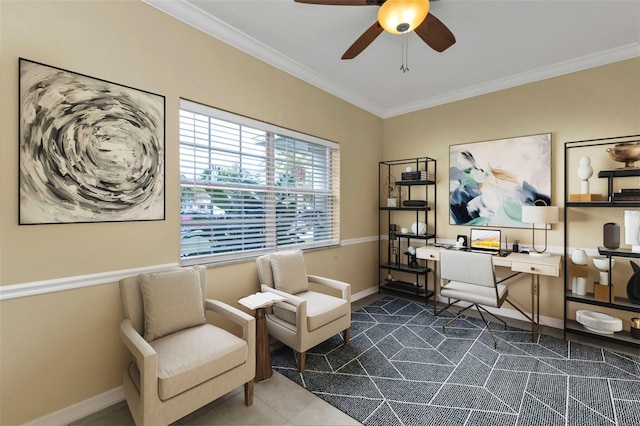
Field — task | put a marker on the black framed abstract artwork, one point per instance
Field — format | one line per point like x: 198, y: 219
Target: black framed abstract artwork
x: 490, y: 181
x: 89, y: 150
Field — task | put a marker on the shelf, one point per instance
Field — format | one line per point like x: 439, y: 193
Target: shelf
x: 616, y: 173
x: 403, y: 267
x: 409, y: 209
x: 619, y: 252
x: 407, y: 288
x: 415, y: 182
x: 571, y: 158
x: 394, y: 177
x: 623, y: 337
x: 602, y: 204
x: 417, y: 237
x: 620, y: 303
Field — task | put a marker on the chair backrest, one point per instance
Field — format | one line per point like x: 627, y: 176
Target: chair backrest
x: 131, y: 297
x: 467, y: 267
x: 265, y: 273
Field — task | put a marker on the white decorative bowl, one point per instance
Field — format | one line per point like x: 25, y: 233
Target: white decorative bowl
x: 598, y: 322
x: 602, y: 263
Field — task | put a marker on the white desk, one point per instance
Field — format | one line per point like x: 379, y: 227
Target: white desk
x: 517, y: 262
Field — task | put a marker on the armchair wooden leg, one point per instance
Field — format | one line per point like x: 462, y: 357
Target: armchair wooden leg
x: 345, y: 335
x: 248, y: 393
x: 302, y: 356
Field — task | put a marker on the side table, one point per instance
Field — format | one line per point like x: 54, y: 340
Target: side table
x: 260, y: 302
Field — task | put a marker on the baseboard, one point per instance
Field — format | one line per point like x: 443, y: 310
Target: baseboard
x: 364, y: 293
x: 81, y: 409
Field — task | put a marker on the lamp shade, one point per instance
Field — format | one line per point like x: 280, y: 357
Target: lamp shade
x: 401, y: 16
x: 540, y: 214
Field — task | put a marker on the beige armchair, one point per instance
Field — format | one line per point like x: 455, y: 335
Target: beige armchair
x: 306, y: 318
x: 179, y: 361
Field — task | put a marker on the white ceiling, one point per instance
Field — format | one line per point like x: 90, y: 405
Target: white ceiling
x: 500, y: 44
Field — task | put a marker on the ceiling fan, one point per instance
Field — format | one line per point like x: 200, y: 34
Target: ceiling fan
x: 429, y: 28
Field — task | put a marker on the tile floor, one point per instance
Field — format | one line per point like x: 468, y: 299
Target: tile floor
x: 278, y: 400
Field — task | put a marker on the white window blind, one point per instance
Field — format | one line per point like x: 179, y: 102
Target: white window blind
x: 249, y: 187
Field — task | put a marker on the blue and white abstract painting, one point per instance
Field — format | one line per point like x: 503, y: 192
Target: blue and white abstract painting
x: 490, y: 181
x: 90, y: 150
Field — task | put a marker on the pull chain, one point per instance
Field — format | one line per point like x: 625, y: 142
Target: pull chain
x: 405, y: 53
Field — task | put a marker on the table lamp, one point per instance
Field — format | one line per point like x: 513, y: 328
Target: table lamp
x: 540, y: 215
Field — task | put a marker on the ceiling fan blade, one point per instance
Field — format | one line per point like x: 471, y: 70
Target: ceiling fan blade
x: 363, y: 41
x: 436, y: 34
x: 343, y: 2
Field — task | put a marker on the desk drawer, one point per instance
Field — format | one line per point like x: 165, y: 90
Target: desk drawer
x: 425, y: 253
x: 531, y: 268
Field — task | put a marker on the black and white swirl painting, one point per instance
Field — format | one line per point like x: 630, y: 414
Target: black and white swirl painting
x: 90, y: 150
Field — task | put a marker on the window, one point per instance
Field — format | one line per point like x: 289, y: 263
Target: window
x: 248, y: 187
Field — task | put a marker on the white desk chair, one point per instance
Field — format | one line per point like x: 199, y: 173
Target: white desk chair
x: 470, y: 277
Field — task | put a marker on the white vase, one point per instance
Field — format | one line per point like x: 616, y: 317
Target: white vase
x: 419, y: 228
x: 632, y: 229
x: 579, y: 257
x: 579, y: 284
x: 585, y: 171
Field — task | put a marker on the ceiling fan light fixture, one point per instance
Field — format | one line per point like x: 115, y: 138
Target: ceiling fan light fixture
x: 402, y: 16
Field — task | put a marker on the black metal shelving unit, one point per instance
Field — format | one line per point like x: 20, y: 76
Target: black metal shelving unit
x: 398, y: 274
x: 612, y: 302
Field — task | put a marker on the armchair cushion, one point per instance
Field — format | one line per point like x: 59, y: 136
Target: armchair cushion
x: 195, y: 355
x: 321, y: 309
x: 172, y: 302
x: 289, y: 271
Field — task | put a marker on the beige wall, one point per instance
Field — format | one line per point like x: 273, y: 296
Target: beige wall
x: 595, y: 103
x: 62, y: 348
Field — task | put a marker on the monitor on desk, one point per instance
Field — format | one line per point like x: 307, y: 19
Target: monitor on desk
x: 485, y: 240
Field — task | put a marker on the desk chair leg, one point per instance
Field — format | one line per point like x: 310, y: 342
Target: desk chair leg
x: 495, y: 341
x: 457, y: 315
x: 446, y: 308
x: 498, y: 318
x: 479, y: 309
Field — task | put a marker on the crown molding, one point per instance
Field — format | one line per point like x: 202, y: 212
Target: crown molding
x: 580, y: 64
x: 211, y: 25
x: 195, y: 17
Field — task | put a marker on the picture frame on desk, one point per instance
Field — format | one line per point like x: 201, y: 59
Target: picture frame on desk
x: 465, y: 241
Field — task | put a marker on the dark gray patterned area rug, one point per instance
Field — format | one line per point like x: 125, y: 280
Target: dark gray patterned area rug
x: 401, y: 369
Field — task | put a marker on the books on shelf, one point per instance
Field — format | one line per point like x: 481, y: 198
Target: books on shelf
x: 627, y: 194
x: 416, y: 176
